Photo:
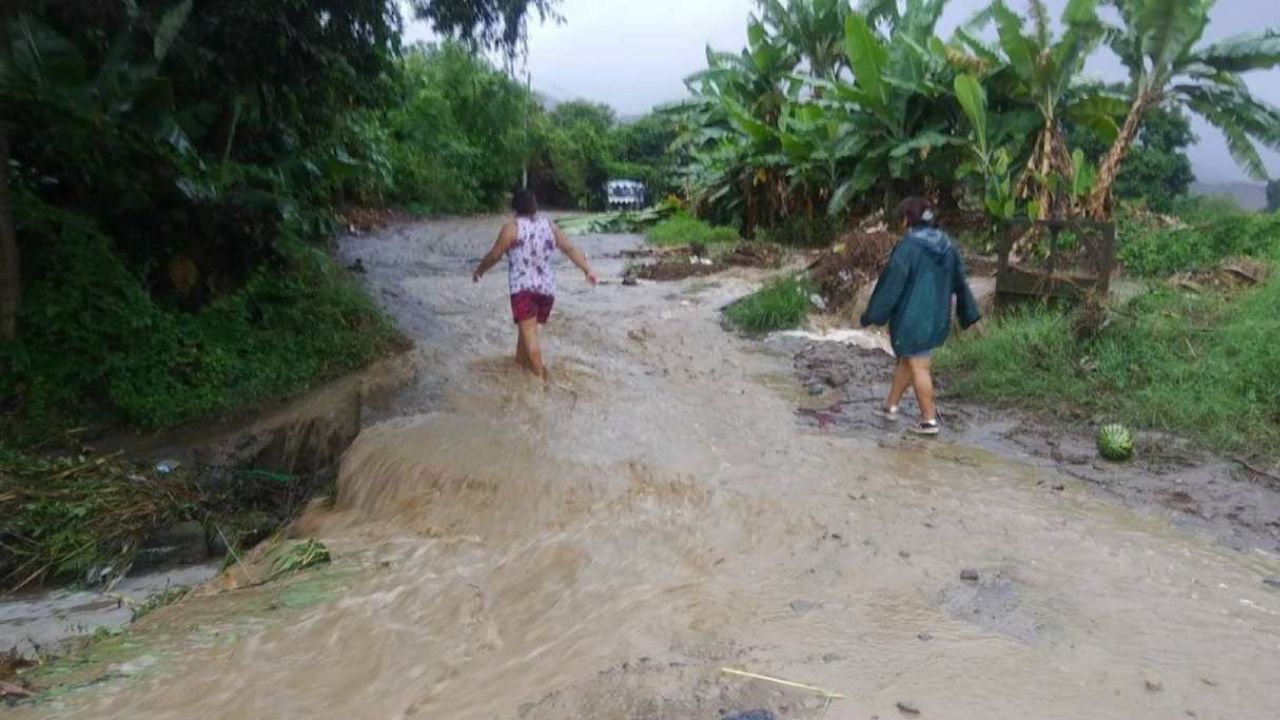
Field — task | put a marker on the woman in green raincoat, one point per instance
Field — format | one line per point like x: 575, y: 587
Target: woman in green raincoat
x: 914, y: 298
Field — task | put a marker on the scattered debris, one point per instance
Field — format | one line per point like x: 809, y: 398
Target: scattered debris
x: 10, y: 690
x: 301, y: 556
x: 851, y: 263
x: 678, y: 269
x: 780, y: 681
x: 755, y: 255
x: 1232, y: 274
x: 613, y: 222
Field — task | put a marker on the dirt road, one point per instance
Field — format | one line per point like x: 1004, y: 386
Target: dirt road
x: 606, y: 548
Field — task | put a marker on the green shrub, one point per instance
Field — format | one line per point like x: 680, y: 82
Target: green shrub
x: 93, y: 345
x: 681, y: 229
x: 1202, y: 365
x: 1212, y: 233
x: 800, y: 231
x: 781, y: 304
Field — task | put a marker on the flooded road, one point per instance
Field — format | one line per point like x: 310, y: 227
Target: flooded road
x: 607, y: 547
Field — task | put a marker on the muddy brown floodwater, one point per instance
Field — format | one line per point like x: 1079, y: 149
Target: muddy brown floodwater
x: 606, y: 548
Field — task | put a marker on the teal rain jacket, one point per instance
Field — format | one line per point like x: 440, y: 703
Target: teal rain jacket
x: 915, y: 289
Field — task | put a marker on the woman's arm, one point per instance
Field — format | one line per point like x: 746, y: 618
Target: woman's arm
x: 500, y: 246
x: 574, y: 254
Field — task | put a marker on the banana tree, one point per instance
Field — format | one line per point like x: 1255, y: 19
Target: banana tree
x: 731, y: 126
x: 1039, y: 71
x: 814, y: 28
x: 1159, y: 44
x: 899, y: 112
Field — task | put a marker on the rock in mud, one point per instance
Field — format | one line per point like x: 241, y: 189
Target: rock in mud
x: 969, y: 575
x: 750, y: 715
x: 800, y: 607
x: 907, y: 708
x: 925, y: 636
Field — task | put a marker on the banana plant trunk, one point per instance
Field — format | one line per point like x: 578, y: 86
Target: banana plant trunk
x: 10, y: 277
x: 1100, y: 198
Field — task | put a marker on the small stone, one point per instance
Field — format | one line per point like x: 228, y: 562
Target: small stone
x: 1153, y: 685
x: 1059, y: 487
x: 801, y: 607
x: 907, y: 708
x: 816, y: 389
x: 831, y: 657
x: 925, y: 636
x: 904, y: 554
x: 969, y: 575
x: 1273, y: 581
x: 629, y: 281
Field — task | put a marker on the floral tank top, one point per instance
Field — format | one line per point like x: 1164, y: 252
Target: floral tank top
x: 529, y: 257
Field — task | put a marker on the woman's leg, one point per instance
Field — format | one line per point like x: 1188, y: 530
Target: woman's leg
x: 922, y: 381
x: 901, y: 381
x: 522, y: 355
x: 532, y: 351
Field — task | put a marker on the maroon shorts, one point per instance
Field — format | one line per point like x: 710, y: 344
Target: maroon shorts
x: 527, y: 305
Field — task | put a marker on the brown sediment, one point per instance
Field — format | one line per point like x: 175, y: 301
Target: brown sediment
x: 606, y: 546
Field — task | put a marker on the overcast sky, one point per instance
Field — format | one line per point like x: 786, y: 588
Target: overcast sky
x: 634, y: 55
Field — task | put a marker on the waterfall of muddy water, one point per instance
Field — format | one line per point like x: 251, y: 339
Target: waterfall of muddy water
x: 603, y: 549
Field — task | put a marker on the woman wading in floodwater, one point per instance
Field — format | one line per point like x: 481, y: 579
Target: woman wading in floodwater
x: 913, y: 295
x: 529, y: 241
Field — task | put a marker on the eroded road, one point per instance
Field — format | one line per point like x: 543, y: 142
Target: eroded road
x: 605, y: 548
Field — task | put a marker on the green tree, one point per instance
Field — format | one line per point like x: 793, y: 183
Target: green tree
x: 1159, y: 44
x: 1156, y: 169
x: 490, y: 24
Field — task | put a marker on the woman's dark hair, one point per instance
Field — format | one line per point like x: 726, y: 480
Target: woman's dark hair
x: 525, y: 203
x: 916, y: 211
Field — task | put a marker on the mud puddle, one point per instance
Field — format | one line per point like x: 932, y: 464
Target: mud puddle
x: 1169, y: 476
x: 655, y: 536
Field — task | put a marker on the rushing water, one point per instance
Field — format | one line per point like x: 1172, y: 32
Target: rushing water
x: 605, y: 547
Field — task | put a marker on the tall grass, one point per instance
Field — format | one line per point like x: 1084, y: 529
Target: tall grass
x: 1200, y: 365
x: 681, y: 229
x: 781, y: 304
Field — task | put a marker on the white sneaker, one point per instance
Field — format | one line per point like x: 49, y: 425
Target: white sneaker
x: 926, y: 427
x: 890, y: 414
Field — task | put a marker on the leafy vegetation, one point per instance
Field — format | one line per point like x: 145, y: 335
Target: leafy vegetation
x: 781, y: 304
x: 682, y: 229
x: 1206, y: 233
x: 836, y: 108
x: 1194, y: 363
x: 300, y: 556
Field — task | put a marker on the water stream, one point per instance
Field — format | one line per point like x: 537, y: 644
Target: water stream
x: 606, y: 547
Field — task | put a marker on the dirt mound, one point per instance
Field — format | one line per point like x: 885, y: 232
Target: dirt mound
x: 678, y: 269
x: 754, y: 255
x: 1232, y: 274
x: 852, y: 262
x: 362, y: 220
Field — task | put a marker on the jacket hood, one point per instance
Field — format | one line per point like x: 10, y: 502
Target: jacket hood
x: 932, y: 240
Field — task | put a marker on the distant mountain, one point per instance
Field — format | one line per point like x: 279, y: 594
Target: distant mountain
x: 1249, y: 196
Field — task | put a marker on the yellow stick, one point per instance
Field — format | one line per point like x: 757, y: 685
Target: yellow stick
x: 780, y: 681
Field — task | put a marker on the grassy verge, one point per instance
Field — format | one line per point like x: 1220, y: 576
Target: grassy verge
x: 681, y: 229
x: 781, y: 304
x: 1202, y: 365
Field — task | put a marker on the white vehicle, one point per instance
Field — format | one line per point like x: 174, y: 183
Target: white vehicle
x: 625, y: 194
